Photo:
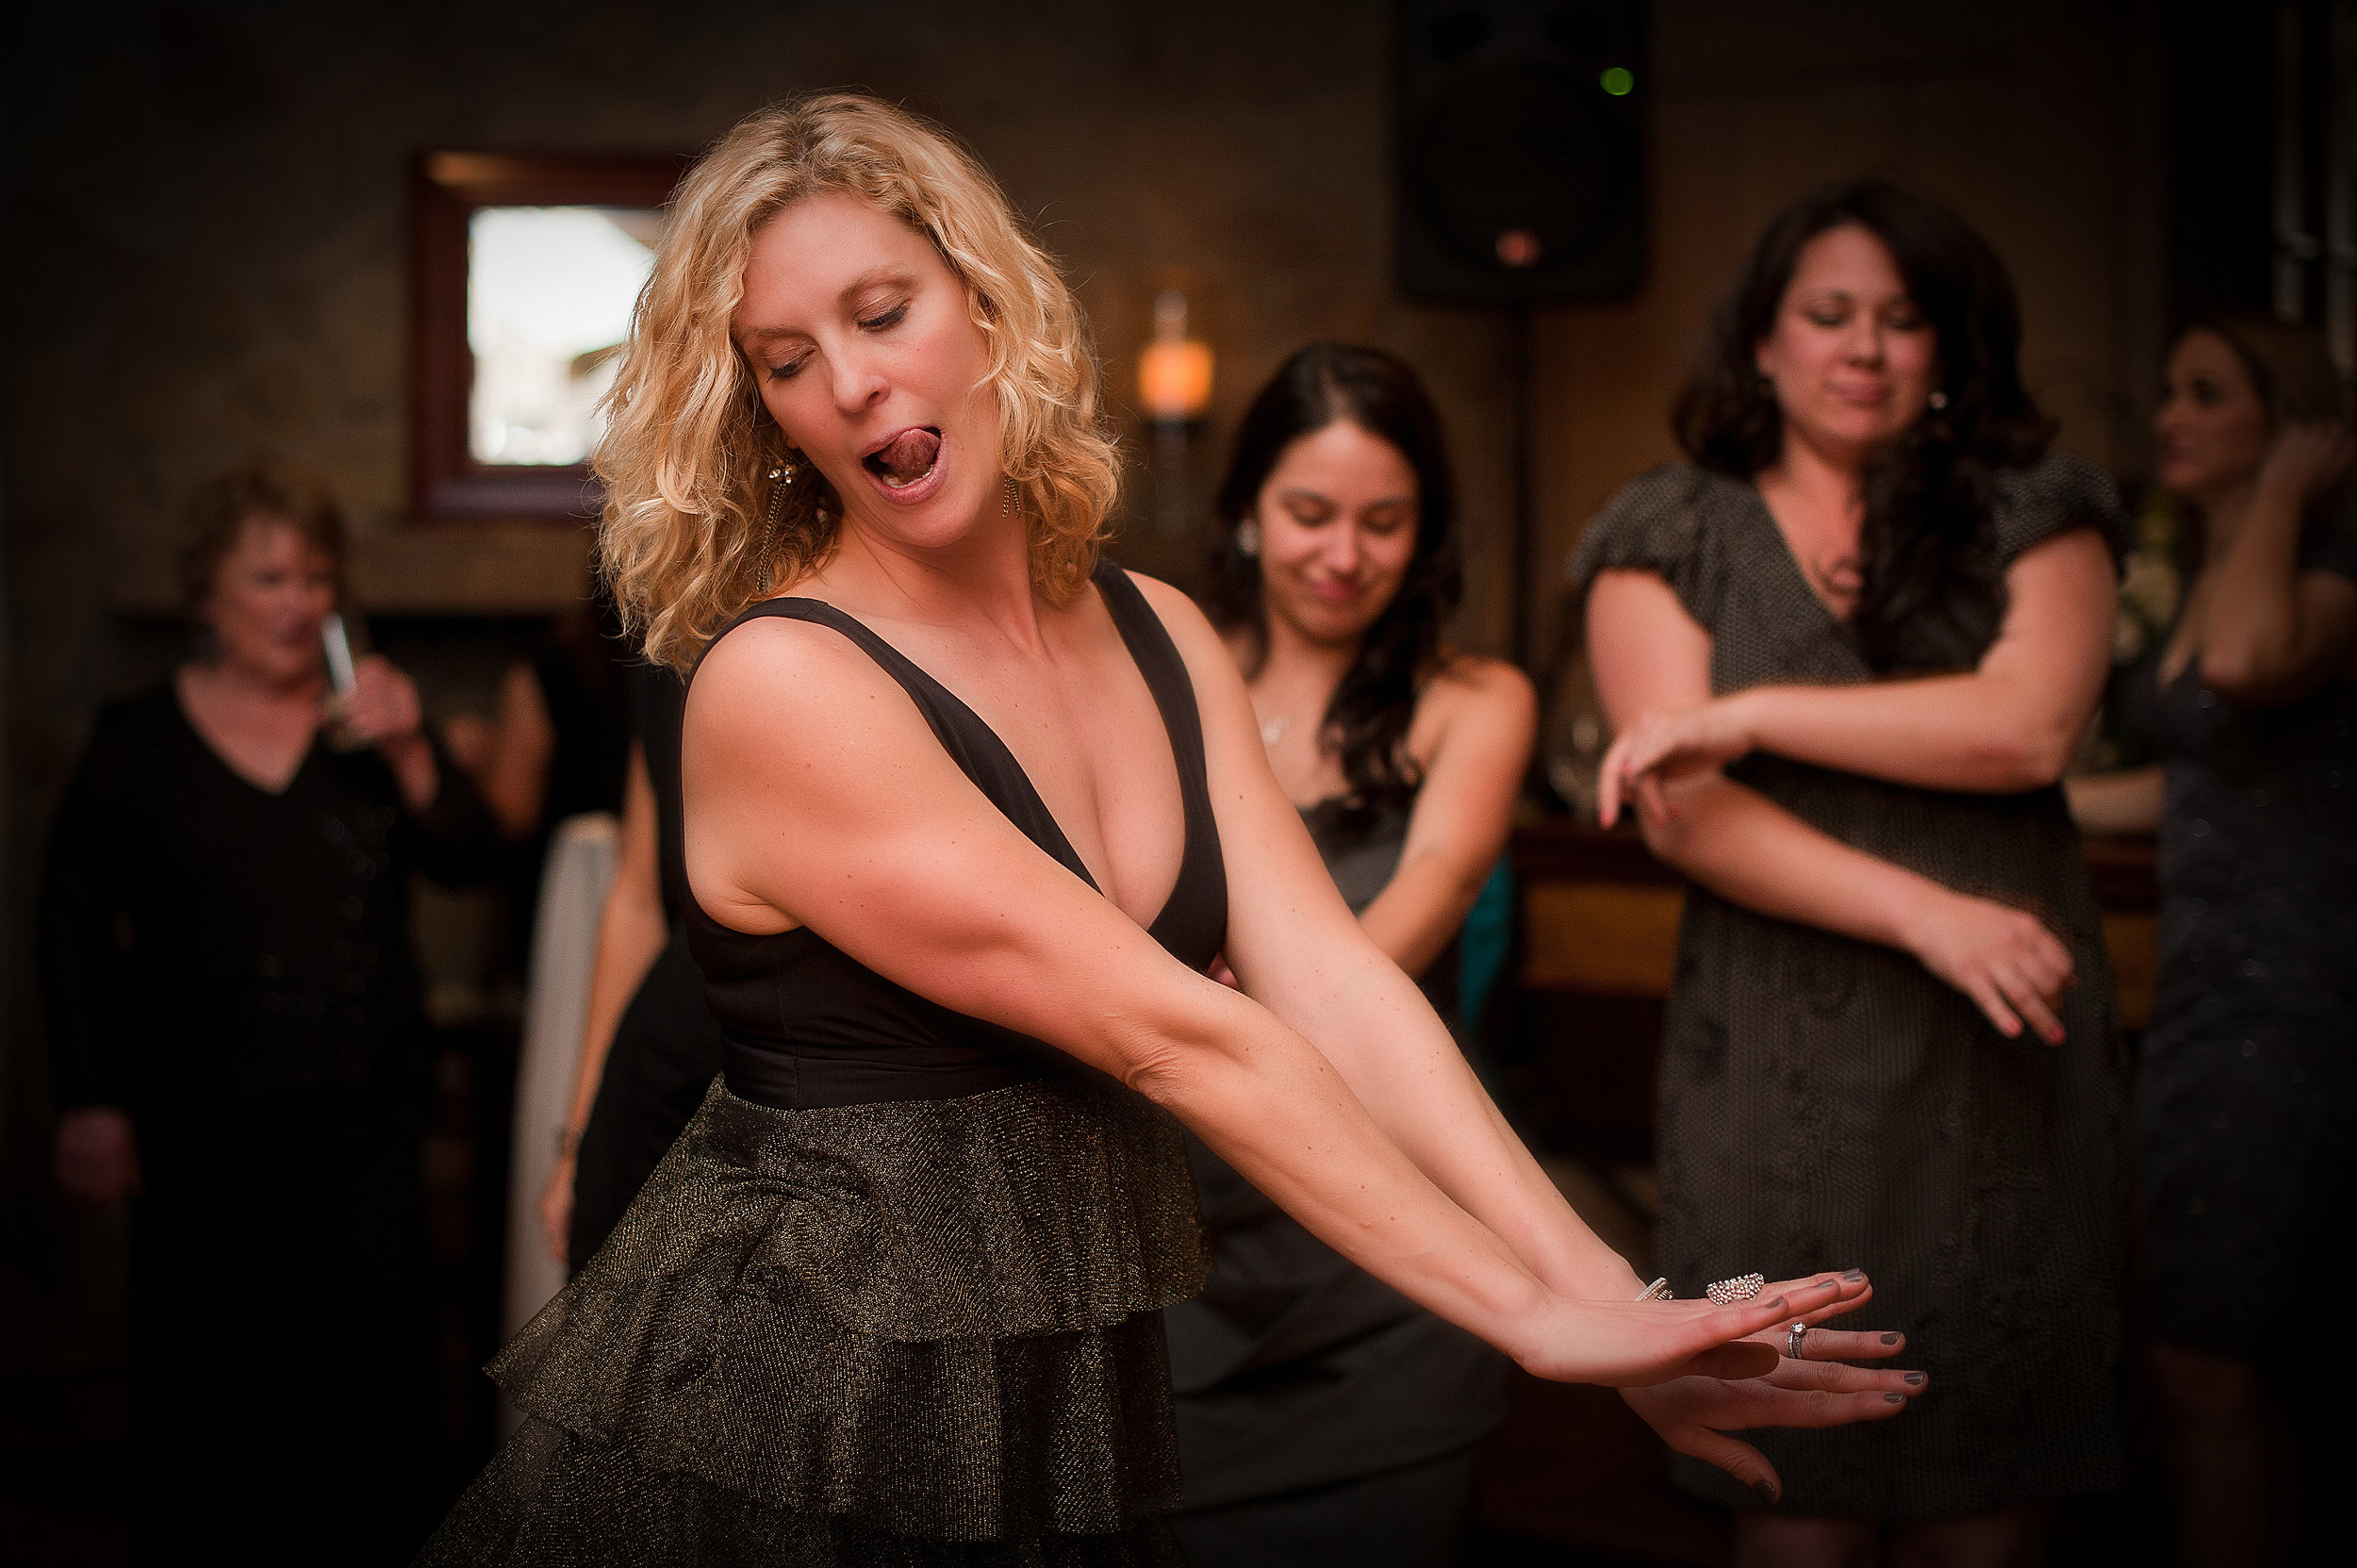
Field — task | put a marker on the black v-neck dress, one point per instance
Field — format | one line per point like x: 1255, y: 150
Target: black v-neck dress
x: 894, y: 1296
x: 1828, y: 1102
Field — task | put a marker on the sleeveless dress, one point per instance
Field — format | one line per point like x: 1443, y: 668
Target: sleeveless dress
x: 1323, y: 1416
x: 894, y: 1296
x: 1828, y: 1102
x: 667, y: 1044
x: 2247, y: 1082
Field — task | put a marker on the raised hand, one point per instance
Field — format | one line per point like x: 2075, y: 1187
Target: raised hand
x: 2308, y: 458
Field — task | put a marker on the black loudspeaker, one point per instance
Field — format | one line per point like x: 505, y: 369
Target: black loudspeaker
x: 1521, y: 128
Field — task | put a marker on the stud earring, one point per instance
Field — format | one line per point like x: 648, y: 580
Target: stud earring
x: 1939, y: 401
x: 1249, y: 538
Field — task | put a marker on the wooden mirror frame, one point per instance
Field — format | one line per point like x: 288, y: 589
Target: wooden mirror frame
x: 445, y: 481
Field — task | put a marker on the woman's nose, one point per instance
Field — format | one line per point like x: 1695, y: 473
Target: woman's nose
x: 858, y: 383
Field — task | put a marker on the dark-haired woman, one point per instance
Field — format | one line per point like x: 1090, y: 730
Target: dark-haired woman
x: 1849, y: 649
x: 2246, y: 1088
x: 234, y: 1016
x: 1321, y: 1415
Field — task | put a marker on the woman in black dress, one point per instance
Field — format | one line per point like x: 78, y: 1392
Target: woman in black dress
x: 2246, y: 1085
x: 650, y: 1047
x: 1849, y: 649
x: 1320, y: 1412
x: 956, y: 793
x: 235, y: 1020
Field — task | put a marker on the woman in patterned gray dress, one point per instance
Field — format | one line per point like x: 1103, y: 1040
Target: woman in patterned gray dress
x: 1849, y: 649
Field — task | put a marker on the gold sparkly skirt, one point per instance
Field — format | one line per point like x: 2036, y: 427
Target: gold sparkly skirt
x: 910, y: 1333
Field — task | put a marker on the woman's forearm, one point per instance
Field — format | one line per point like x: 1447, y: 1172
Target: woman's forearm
x: 1974, y: 732
x: 1422, y: 908
x: 1752, y: 851
x: 630, y: 936
x: 1398, y: 1057
x: 2252, y: 634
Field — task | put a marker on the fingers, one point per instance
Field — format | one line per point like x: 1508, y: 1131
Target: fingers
x: 1651, y: 800
x: 1814, y: 1376
x: 1733, y: 1456
x: 1843, y: 1345
x: 1985, y: 994
x: 1608, y: 781
x: 2032, y: 1007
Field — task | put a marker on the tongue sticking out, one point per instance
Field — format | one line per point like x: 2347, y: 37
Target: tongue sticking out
x: 909, y: 458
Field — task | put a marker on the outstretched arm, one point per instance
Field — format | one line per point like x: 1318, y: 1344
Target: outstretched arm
x: 820, y: 798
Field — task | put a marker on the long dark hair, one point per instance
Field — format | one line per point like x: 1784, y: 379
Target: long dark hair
x: 1366, y: 722
x: 1933, y: 593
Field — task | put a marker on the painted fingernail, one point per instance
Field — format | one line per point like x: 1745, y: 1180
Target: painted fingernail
x: 1890, y: 1339
x: 1913, y: 1379
x: 1894, y: 1398
x: 1767, y: 1492
x: 1775, y: 1306
x: 1853, y: 1276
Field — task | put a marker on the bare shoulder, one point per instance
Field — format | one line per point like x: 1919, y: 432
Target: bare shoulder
x: 1471, y: 683
x: 777, y: 683
x: 1199, y: 642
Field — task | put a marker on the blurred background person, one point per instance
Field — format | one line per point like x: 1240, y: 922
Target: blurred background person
x: 1321, y: 1417
x: 235, y: 1015
x: 1849, y: 649
x: 2247, y: 1089
x: 651, y: 1048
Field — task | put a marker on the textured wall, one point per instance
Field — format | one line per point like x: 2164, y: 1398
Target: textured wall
x: 207, y: 213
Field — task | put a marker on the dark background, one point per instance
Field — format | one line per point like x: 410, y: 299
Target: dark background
x: 205, y: 260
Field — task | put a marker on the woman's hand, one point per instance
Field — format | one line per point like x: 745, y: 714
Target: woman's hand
x: 2004, y: 959
x: 1694, y: 1414
x: 1639, y: 1343
x: 97, y: 1155
x: 2307, y: 459
x: 556, y: 1206
x: 382, y: 710
x: 1663, y: 746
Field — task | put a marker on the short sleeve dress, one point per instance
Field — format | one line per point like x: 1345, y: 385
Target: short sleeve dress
x: 1829, y: 1102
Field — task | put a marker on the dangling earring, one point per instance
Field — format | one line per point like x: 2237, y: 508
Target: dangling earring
x: 1249, y: 538
x: 1939, y: 401
x: 780, y: 479
x: 1007, y: 499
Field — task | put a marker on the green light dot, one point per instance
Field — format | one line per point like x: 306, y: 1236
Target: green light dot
x: 1618, y: 81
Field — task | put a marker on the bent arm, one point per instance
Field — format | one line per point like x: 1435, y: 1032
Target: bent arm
x: 818, y: 796
x: 1464, y: 812
x: 2011, y: 724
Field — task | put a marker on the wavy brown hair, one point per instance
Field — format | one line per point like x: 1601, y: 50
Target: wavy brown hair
x: 689, y: 446
x: 1933, y: 593
x: 1365, y: 724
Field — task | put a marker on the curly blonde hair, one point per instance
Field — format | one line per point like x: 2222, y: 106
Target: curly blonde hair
x: 688, y: 447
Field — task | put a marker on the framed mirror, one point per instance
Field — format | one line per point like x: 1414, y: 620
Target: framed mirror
x: 524, y: 272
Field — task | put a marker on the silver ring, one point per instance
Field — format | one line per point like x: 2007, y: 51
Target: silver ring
x: 1657, y: 1291
x: 1792, y: 1338
x: 1743, y: 1287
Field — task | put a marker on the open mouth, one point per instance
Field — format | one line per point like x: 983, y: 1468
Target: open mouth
x: 906, y: 459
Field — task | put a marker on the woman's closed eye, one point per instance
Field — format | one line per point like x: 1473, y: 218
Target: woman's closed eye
x: 884, y: 320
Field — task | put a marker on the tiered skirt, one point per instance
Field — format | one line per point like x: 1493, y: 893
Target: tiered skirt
x: 906, y: 1334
